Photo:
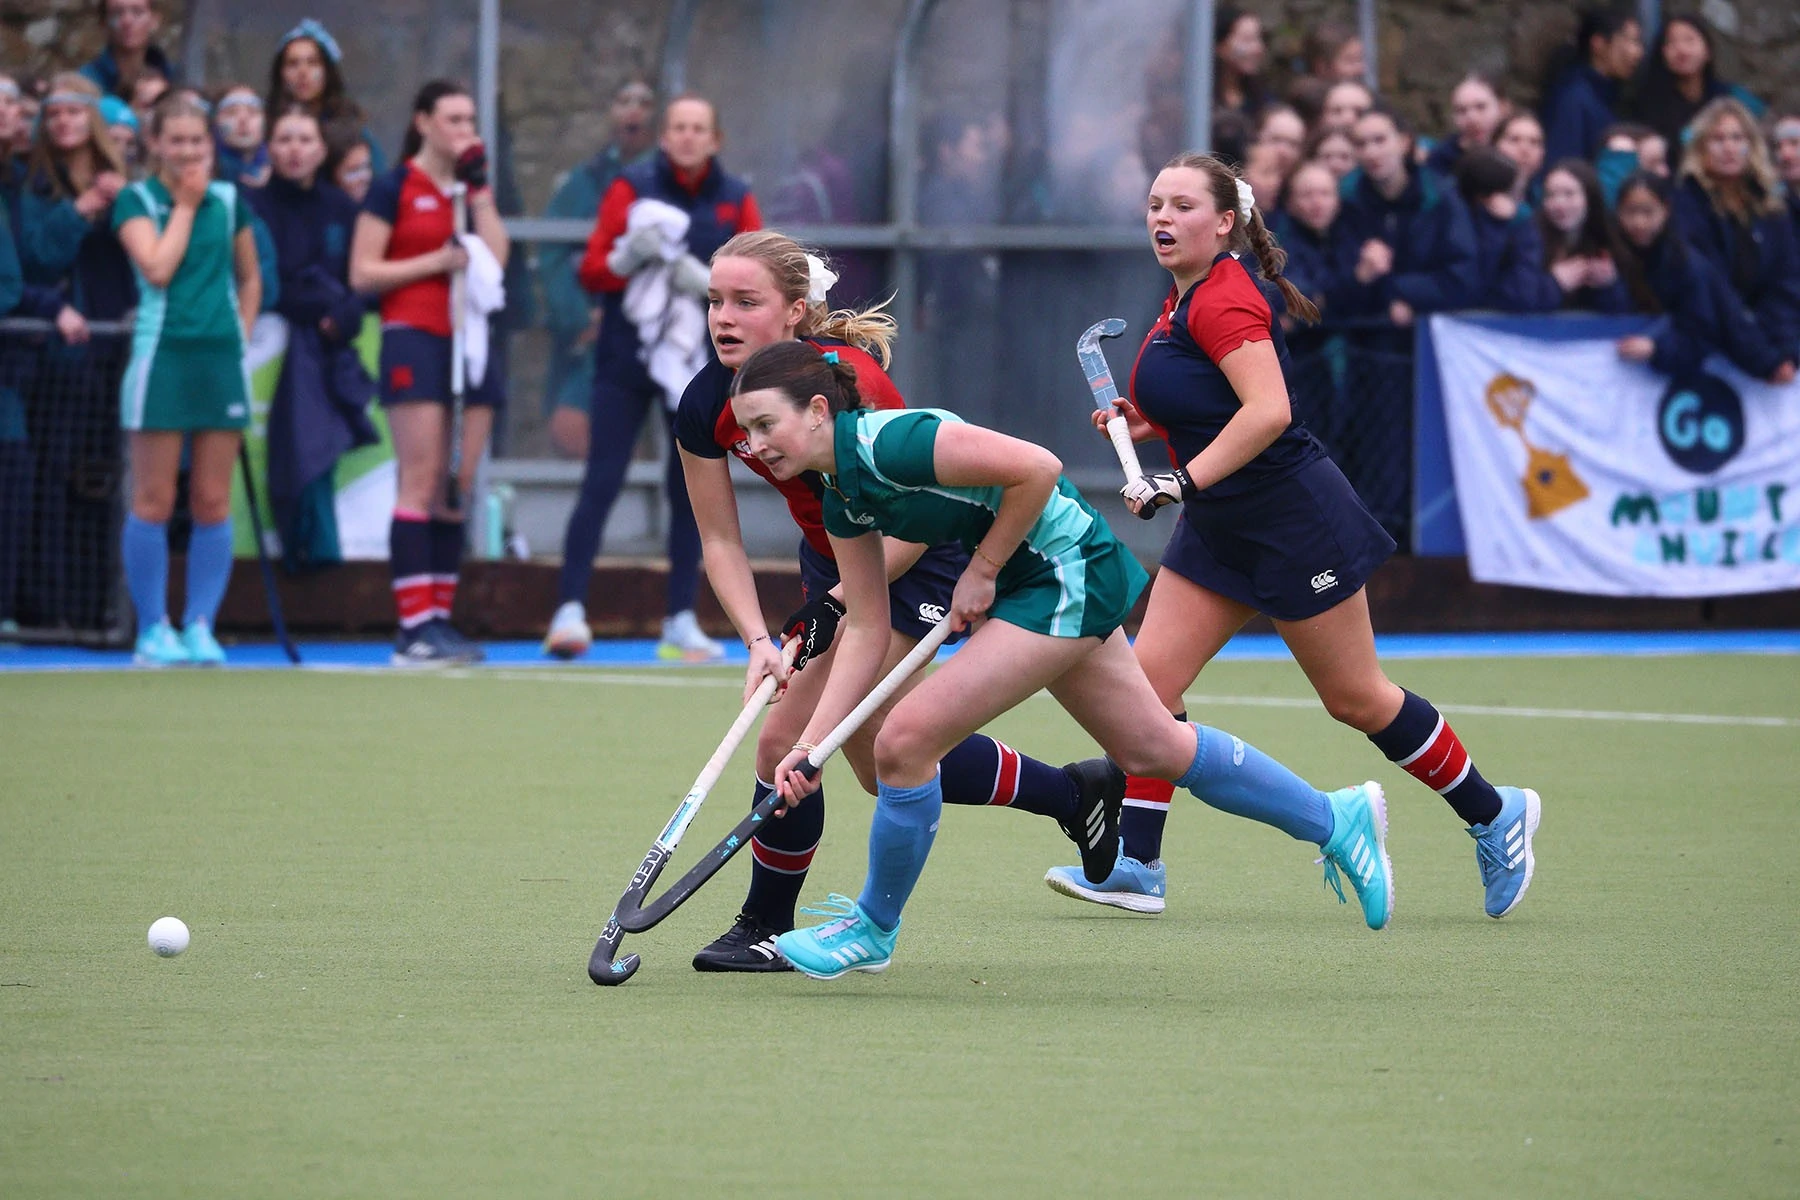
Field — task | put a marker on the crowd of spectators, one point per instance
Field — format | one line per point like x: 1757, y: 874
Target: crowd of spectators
x: 1642, y: 183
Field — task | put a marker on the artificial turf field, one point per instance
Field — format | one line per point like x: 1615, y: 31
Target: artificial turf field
x: 394, y: 881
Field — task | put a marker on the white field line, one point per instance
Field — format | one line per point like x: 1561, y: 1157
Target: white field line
x: 1195, y: 700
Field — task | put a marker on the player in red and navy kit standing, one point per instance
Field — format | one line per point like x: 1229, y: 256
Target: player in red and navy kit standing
x: 764, y: 288
x: 404, y: 250
x: 686, y: 174
x: 1268, y: 525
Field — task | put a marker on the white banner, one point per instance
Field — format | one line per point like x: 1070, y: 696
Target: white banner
x: 1579, y: 472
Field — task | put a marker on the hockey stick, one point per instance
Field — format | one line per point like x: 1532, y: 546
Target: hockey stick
x: 601, y: 967
x: 262, y: 556
x: 1100, y: 382
x: 631, y: 916
x: 459, y: 207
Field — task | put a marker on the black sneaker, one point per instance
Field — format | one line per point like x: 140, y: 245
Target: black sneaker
x: 1099, y: 791
x: 455, y: 647
x: 749, y: 945
x: 419, y: 647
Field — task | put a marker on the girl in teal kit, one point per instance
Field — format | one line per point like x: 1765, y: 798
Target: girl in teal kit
x: 199, y: 288
x: 1046, y: 590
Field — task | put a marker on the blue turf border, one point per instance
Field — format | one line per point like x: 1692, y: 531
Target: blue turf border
x: 349, y: 655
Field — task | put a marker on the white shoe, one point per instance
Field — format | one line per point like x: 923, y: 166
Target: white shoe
x: 569, y: 635
x: 682, y: 638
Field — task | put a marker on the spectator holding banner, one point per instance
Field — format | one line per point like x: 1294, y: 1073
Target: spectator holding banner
x: 573, y: 317
x: 1580, y: 249
x: 131, y: 52
x: 190, y: 243
x: 1728, y: 207
x: 659, y: 223
x: 1582, y: 85
x: 1666, y: 276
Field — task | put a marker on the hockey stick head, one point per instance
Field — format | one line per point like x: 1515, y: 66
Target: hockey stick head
x: 1094, y: 364
x: 1112, y: 327
x: 602, y: 968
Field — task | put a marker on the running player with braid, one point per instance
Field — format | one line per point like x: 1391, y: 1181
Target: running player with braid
x: 765, y: 288
x: 1268, y: 525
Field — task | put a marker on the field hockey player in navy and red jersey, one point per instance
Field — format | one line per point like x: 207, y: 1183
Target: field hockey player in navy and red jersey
x: 765, y: 288
x: 404, y: 250
x: 1268, y: 525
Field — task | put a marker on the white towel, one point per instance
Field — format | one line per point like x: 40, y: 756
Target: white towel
x: 671, y: 326
x: 484, y: 292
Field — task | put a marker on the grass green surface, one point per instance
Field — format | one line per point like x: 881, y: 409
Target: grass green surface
x: 394, y: 882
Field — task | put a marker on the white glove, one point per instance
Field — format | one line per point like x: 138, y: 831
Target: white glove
x: 1150, y: 492
x: 691, y: 277
x: 633, y: 250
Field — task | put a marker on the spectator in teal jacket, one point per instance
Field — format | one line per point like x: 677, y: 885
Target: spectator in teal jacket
x: 131, y: 50
x: 573, y: 317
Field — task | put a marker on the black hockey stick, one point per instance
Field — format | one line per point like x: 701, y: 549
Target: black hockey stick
x: 262, y: 556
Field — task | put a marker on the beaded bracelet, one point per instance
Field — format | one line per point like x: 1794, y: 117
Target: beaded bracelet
x: 984, y: 554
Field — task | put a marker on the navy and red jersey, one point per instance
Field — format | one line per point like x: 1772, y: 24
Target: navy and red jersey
x: 706, y: 427
x: 1178, y: 386
x: 421, y: 220
x: 719, y: 206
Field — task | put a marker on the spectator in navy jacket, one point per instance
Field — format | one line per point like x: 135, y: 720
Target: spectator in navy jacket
x: 1303, y: 228
x: 310, y: 221
x: 1728, y: 207
x: 1665, y: 275
x: 131, y: 52
x: 1680, y: 75
x: 1508, y: 252
x: 1477, y: 106
x: 1786, y: 136
x: 1579, y: 248
x: 1521, y: 138
x: 1405, y: 238
x: 1582, y: 85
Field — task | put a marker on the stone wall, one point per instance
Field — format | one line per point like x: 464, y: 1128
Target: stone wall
x: 41, y: 36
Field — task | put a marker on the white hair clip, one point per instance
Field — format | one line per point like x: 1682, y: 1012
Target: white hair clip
x: 1246, y: 199
x: 820, y: 279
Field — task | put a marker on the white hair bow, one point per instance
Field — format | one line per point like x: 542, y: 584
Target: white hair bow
x: 1246, y: 199
x: 819, y: 279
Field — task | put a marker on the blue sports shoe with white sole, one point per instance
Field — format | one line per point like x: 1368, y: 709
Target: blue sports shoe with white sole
x: 850, y: 941
x: 203, y: 648
x: 1358, y: 848
x: 1137, y: 886
x: 1503, y: 849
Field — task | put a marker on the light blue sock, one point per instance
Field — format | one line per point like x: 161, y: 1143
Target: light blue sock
x: 1235, y: 777
x: 208, y: 571
x: 146, y: 553
x: 900, y: 837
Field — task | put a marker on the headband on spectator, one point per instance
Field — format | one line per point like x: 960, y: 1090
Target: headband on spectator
x: 1787, y: 127
x: 115, y: 111
x: 9, y: 89
x: 820, y: 279
x: 1246, y: 199
x: 310, y: 28
x: 239, y: 100
x: 70, y: 98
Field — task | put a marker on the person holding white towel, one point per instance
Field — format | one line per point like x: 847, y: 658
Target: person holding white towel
x: 652, y: 285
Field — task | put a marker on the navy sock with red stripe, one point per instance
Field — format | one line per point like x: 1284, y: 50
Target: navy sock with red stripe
x: 1422, y: 744
x: 982, y: 770
x: 409, y: 561
x: 446, y: 564
x: 1146, y: 809
x: 780, y: 854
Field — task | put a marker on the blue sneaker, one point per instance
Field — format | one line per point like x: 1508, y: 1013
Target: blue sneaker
x: 1132, y: 885
x: 203, y: 649
x: 848, y: 942
x: 1358, y: 847
x: 1503, y: 849
x: 158, y: 646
